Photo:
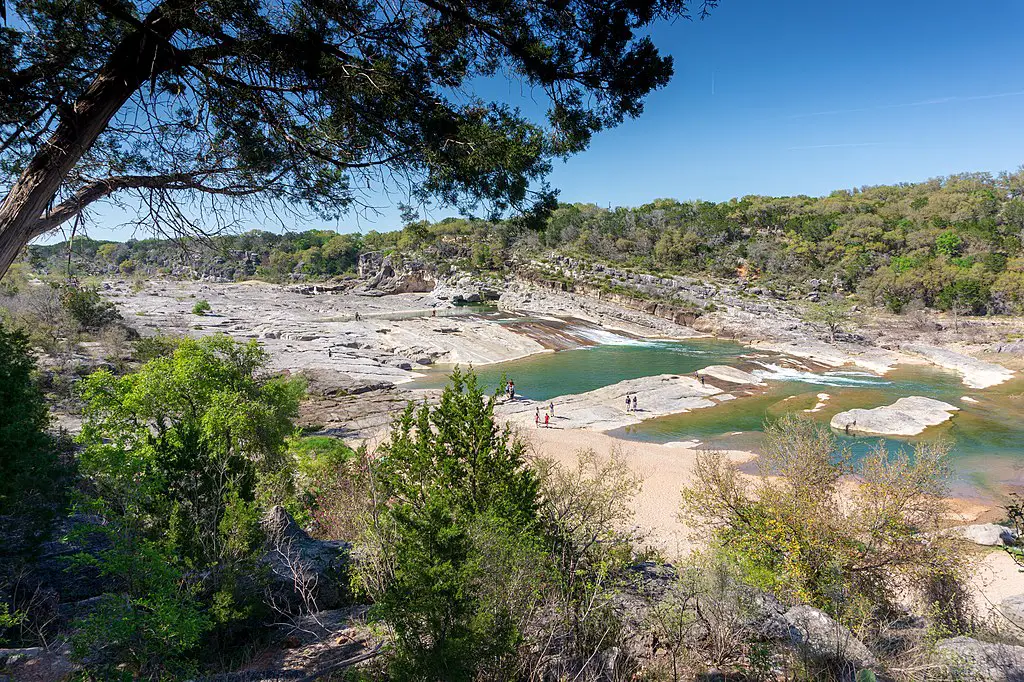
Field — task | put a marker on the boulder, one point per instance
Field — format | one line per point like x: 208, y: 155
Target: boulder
x: 1012, y: 608
x: 304, y: 574
x: 985, y: 534
x: 36, y: 664
x: 818, y: 636
x: 967, y: 658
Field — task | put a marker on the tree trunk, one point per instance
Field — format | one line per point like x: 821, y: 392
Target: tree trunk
x: 141, y: 54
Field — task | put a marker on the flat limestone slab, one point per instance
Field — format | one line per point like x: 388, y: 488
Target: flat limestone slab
x: 974, y: 372
x: 604, y: 409
x: 905, y: 417
x: 731, y: 375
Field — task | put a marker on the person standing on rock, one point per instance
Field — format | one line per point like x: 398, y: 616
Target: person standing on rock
x: 634, y: 402
x: 536, y: 418
x: 551, y: 407
x: 547, y: 418
x: 328, y: 352
x: 628, y: 403
x: 511, y: 390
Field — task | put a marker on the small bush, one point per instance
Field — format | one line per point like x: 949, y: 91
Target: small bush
x: 87, y: 307
x: 201, y: 307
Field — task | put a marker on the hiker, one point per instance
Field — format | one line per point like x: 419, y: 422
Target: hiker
x: 551, y: 407
x: 433, y: 313
x: 357, y: 317
x: 634, y: 403
x: 536, y: 418
x: 511, y: 390
x: 328, y: 352
x: 628, y: 403
x: 701, y: 377
x: 547, y: 417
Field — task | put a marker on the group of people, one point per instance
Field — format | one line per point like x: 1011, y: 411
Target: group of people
x: 548, y: 415
x: 630, y: 403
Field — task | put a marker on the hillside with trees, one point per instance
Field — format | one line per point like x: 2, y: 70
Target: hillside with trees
x: 951, y: 243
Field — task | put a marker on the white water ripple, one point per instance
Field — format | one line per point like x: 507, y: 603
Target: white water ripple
x: 773, y: 372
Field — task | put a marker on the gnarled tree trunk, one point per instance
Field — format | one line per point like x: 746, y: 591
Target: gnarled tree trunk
x: 143, y: 53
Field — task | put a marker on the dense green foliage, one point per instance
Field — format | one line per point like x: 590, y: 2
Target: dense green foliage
x: 950, y: 243
x: 28, y: 465
x: 307, y: 106
x: 462, y: 523
x: 181, y: 457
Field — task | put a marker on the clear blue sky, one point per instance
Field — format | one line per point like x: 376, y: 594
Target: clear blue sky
x: 803, y: 97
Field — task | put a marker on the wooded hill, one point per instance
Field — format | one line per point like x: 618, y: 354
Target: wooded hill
x: 953, y: 241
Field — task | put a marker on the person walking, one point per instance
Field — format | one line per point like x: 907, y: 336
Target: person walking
x: 634, y: 402
x: 551, y: 408
x: 547, y: 417
x: 536, y: 418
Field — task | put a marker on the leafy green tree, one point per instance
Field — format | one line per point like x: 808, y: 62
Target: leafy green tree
x: 303, y: 103
x: 184, y: 443
x: 87, y: 307
x: 833, y: 313
x: 180, y: 458
x: 949, y: 244
x: 462, y: 528
x: 29, y: 471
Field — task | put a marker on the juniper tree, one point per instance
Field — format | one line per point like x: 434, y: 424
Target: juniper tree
x: 198, y: 106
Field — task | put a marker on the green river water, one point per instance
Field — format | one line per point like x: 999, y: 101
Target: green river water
x: 986, y: 437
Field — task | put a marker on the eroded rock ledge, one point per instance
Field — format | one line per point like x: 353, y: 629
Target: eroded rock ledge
x: 905, y: 417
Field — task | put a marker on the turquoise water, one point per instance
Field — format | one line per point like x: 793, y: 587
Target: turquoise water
x: 545, y: 376
x: 986, y: 438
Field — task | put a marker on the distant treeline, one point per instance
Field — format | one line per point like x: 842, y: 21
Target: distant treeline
x: 948, y: 242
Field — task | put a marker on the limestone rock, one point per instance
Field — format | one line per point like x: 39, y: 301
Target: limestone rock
x: 302, y: 570
x: 905, y: 417
x: 976, y: 373
x: 985, y: 534
x: 36, y: 664
x: 967, y: 658
x: 820, y: 637
x: 731, y: 375
x: 1012, y: 608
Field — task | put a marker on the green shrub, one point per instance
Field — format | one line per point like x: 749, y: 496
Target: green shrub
x: 180, y: 458
x: 201, y: 307
x: 152, y: 347
x: 459, y: 535
x: 87, y: 307
x: 854, y: 555
x: 29, y: 467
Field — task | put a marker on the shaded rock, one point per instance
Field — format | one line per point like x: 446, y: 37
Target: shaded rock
x: 821, y: 638
x: 36, y: 664
x: 304, y: 573
x: 967, y: 658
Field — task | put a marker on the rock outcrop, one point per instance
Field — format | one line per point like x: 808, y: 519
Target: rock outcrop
x: 304, y: 574
x: 975, y: 373
x: 819, y: 637
x: 905, y: 417
x: 967, y: 658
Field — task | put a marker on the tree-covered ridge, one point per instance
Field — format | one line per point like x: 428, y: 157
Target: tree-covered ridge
x: 944, y: 243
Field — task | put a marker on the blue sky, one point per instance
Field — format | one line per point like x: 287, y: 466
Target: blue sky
x: 802, y: 97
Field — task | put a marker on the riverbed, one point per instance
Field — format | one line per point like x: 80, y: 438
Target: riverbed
x: 985, y: 437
